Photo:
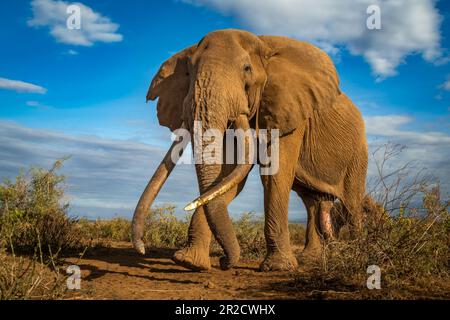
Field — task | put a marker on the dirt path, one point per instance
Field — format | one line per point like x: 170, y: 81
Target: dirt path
x: 120, y: 273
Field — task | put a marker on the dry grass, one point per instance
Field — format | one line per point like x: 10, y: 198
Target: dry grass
x: 101, y: 233
x: 29, y: 277
x: 408, y: 238
x: 164, y: 230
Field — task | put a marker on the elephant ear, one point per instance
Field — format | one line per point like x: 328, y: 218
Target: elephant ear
x: 301, y: 79
x: 171, y: 85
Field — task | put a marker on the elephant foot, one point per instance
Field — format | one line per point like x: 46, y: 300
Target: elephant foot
x: 193, y: 258
x: 311, y: 254
x: 226, y: 263
x: 279, y: 261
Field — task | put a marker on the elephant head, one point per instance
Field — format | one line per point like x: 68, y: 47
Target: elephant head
x: 233, y: 77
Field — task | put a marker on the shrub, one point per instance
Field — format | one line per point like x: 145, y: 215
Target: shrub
x: 412, y: 251
x: 32, y: 213
x: 250, y: 234
x: 164, y: 230
x: 102, y: 232
x: 298, y: 233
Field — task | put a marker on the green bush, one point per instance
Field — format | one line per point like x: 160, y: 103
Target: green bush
x: 298, y: 233
x: 250, y: 235
x: 34, y: 220
x: 102, y: 232
x: 32, y: 213
x: 411, y: 249
x: 163, y: 230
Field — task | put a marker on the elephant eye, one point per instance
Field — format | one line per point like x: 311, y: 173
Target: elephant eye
x: 247, y: 68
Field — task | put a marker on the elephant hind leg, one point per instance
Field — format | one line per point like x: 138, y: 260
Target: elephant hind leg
x: 320, y: 225
x: 352, y: 209
x: 355, y: 219
x: 313, y: 246
x: 346, y: 217
x: 354, y: 191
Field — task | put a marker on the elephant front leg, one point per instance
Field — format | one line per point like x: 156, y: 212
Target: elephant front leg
x: 195, y: 255
x: 276, y: 229
x: 277, y: 189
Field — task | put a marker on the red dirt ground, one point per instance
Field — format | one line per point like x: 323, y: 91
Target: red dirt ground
x: 120, y: 273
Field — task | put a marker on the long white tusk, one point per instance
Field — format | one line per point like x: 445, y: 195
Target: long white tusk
x: 148, y: 196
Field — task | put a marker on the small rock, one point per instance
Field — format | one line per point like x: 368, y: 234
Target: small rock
x: 210, y: 285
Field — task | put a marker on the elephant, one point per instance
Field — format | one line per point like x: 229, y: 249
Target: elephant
x: 235, y: 78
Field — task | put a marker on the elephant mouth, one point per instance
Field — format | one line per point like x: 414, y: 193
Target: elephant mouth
x: 162, y: 173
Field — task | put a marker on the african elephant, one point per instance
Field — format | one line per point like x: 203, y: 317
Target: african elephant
x: 233, y: 77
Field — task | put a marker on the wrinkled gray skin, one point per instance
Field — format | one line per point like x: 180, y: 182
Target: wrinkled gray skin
x: 276, y: 83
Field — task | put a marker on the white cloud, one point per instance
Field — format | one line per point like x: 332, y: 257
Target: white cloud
x: 21, y: 86
x: 72, y: 52
x: 385, y: 125
x: 408, y: 26
x: 37, y: 105
x: 94, y: 26
x: 390, y: 127
x: 446, y: 85
x: 33, y: 103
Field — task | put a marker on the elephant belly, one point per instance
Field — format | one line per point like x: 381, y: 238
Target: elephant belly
x: 316, y: 182
x: 331, y: 142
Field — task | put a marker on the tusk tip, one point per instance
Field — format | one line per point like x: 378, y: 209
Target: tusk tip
x: 191, y: 206
x: 139, y: 246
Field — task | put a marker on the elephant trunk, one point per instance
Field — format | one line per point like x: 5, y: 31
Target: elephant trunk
x: 148, y: 196
x: 212, y: 187
x: 216, y: 213
x: 234, y: 178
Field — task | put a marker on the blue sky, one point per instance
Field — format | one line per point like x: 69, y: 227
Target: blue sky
x: 82, y: 93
